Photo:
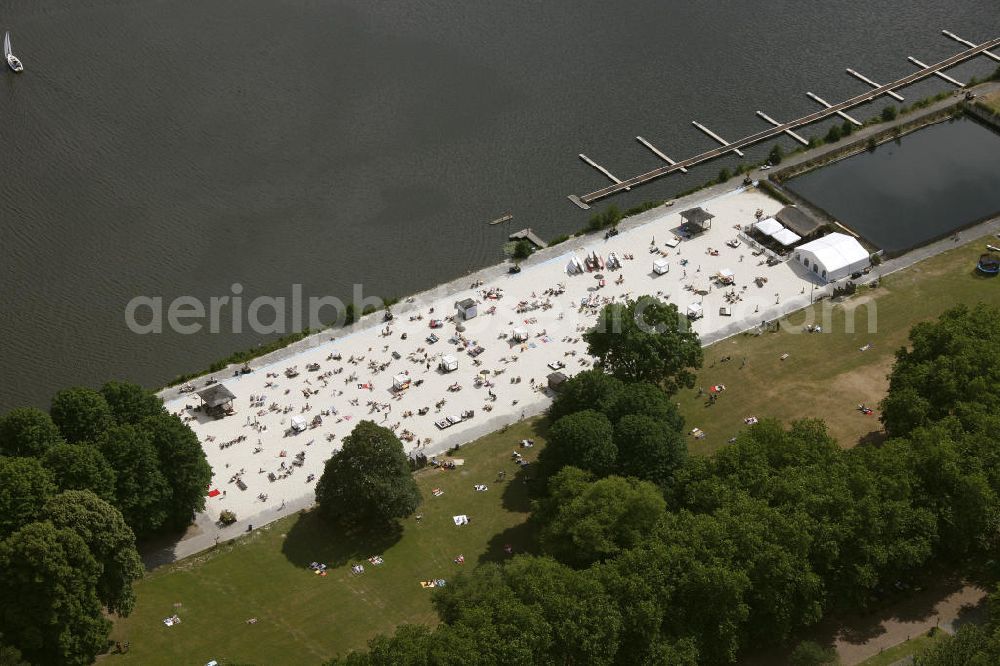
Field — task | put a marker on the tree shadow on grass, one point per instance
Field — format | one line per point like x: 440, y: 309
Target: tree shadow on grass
x: 519, y: 489
x: 519, y: 539
x: 311, y: 539
x: 874, y: 438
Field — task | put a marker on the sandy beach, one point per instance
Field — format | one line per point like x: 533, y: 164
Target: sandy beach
x: 341, y: 378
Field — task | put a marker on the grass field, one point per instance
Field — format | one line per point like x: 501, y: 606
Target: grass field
x: 825, y: 375
x: 905, y: 649
x: 303, y: 618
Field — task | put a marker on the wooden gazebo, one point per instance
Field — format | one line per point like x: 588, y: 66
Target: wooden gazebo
x: 696, y: 220
x: 217, y: 400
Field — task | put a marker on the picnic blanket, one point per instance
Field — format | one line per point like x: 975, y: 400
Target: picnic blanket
x: 461, y: 520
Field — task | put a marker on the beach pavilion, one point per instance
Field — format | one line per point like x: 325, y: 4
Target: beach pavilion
x: 217, y: 400
x: 833, y: 257
x: 696, y: 220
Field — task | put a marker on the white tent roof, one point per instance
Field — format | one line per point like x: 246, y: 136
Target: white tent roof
x: 725, y: 272
x: 836, y: 250
x: 769, y: 226
x: 786, y: 237
x: 694, y: 308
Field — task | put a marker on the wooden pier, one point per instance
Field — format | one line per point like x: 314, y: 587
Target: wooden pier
x: 817, y: 98
x: 958, y: 39
x: 597, y: 166
x: 585, y: 200
x: 777, y: 124
x: 657, y: 152
x: 715, y: 136
x: 530, y: 236
x: 862, y: 77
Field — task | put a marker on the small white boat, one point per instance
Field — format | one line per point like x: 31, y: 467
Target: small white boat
x: 12, y: 60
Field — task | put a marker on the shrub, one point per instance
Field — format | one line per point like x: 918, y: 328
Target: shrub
x: 227, y: 517
x: 889, y: 113
x: 522, y: 249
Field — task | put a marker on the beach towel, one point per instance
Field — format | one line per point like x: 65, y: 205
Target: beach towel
x: 215, y: 492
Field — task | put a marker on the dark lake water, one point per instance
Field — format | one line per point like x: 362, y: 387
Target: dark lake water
x: 908, y: 192
x: 175, y: 148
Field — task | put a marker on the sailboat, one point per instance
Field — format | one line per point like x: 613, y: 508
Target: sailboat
x: 12, y: 60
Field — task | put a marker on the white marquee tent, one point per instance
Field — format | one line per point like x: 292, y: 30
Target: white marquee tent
x: 833, y: 257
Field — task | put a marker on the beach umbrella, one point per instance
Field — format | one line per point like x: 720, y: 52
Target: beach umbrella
x: 599, y: 277
x: 484, y: 372
x: 460, y: 328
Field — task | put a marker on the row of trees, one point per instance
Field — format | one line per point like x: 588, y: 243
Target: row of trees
x: 706, y: 557
x: 77, y: 485
x: 119, y: 443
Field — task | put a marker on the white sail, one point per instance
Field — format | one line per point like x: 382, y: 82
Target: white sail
x: 6, y: 45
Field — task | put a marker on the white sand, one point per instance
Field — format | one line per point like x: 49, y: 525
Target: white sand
x: 559, y: 317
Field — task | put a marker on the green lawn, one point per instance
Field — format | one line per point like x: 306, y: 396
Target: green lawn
x: 905, y: 649
x: 993, y: 101
x: 825, y: 375
x: 303, y: 618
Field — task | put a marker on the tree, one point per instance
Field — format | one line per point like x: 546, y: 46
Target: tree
x: 52, y: 576
x: 81, y: 467
x: 10, y: 656
x: 775, y: 156
x: 109, y: 539
x: 646, y: 340
x: 24, y: 487
x: 522, y: 249
x: 951, y: 367
x: 725, y: 174
x: 834, y: 135
x: 584, y: 440
x: 590, y: 389
x: 26, y: 431
x: 585, y: 521
x: 183, y: 463
x: 648, y: 449
x: 889, y: 113
x: 142, y: 493
x: 82, y: 414
x: 131, y: 403
x: 368, y: 480
x: 644, y: 399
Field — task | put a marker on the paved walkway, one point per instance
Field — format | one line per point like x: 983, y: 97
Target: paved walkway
x: 915, y: 616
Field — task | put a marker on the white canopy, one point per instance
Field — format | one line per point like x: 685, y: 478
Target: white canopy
x: 833, y: 256
x: 726, y: 273
x: 520, y: 334
x: 400, y: 380
x: 786, y: 237
x: 299, y: 423
x: 769, y: 226
x: 694, y: 310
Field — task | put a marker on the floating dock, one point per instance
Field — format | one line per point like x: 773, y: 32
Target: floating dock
x: 506, y: 218
x: 777, y: 124
x: 584, y: 201
x: 616, y: 181
x: 657, y: 152
x: 716, y: 137
x: 862, y: 77
x: 530, y: 236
